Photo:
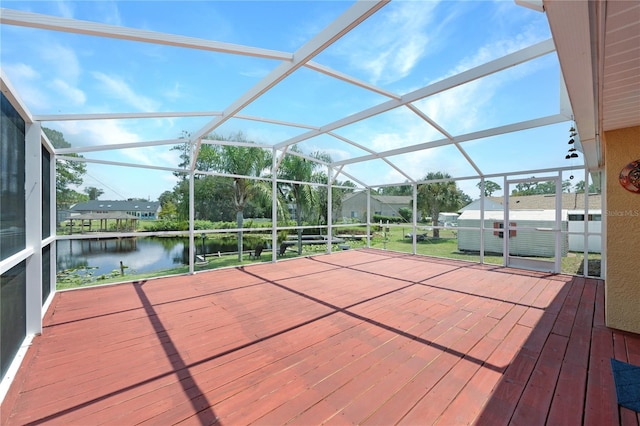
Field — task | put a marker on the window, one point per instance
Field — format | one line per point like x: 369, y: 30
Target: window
x: 500, y: 225
x: 46, y: 272
x: 580, y: 217
x: 46, y: 193
x: 12, y: 181
x: 13, y: 315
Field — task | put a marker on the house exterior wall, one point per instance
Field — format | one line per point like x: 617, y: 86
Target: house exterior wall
x: 388, y: 209
x: 594, y: 243
x: 356, y: 207
x: 524, y: 243
x: 622, y: 286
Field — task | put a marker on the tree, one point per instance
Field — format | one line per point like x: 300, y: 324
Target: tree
x: 436, y: 197
x: 168, y: 211
x: 405, y: 213
x: 299, y: 169
x: 68, y: 173
x: 166, y: 197
x: 337, y: 194
x: 489, y: 187
x: 397, y: 190
x: 536, y: 188
x: 212, y: 199
x: 240, y: 161
x: 580, y: 186
x: 465, y: 199
x: 185, y: 155
x: 93, y: 192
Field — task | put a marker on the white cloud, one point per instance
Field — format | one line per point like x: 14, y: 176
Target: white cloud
x: 92, y: 133
x: 109, y: 13
x: 466, y: 107
x: 255, y: 73
x: 114, y: 132
x: 22, y: 71
x: 396, y: 46
x: 65, y: 9
x: 50, y: 83
x: 117, y: 88
x: 498, y: 49
x: 61, y: 62
x: 26, y: 81
x: 72, y: 94
x: 174, y: 93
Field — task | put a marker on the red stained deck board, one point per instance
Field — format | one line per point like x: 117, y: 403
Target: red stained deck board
x: 360, y: 397
x: 308, y: 373
x: 601, y: 405
x: 568, y: 404
x: 464, y: 409
x: 436, y: 401
x: 408, y: 396
x: 361, y: 336
x: 566, y: 317
x: 536, y: 398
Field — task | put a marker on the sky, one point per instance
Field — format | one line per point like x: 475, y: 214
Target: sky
x: 405, y: 46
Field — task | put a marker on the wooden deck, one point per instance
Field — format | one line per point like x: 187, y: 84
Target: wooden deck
x: 356, y: 337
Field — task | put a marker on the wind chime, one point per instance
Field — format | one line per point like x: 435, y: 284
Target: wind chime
x: 572, y: 149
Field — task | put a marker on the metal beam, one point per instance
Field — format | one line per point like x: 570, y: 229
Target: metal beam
x: 129, y: 145
x: 11, y: 94
x: 351, y: 80
x: 54, y: 23
x: 123, y: 115
x: 426, y: 118
x: 369, y: 150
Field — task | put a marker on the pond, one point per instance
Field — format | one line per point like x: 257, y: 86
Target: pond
x: 139, y: 254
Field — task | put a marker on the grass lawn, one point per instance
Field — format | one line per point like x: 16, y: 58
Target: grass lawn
x: 447, y: 247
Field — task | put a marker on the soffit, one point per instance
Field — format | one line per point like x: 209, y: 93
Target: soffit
x: 621, y: 65
x: 598, y: 46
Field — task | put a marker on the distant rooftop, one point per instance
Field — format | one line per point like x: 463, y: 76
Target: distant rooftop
x: 116, y: 205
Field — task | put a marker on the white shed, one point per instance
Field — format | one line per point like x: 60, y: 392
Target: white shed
x: 448, y: 219
x: 576, y: 224
x: 522, y: 242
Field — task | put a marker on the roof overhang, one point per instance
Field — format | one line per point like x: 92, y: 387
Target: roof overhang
x: 598, y: 47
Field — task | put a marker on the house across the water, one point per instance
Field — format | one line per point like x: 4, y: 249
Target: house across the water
x: 144, y: 210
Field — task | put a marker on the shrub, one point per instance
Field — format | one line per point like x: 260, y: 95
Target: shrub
x: 391, y: 219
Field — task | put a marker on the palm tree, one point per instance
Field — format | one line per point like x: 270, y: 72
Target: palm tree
x: 337, y: 194
x: 242, y: 161
x: 438, y: 196
x: 305, y: 197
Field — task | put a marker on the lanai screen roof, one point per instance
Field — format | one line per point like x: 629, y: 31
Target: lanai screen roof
x: 391, y: 90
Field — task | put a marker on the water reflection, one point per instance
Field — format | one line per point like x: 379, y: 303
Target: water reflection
x: 139, y: 254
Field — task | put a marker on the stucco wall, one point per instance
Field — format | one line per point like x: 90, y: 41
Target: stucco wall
x: 623, y: 233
